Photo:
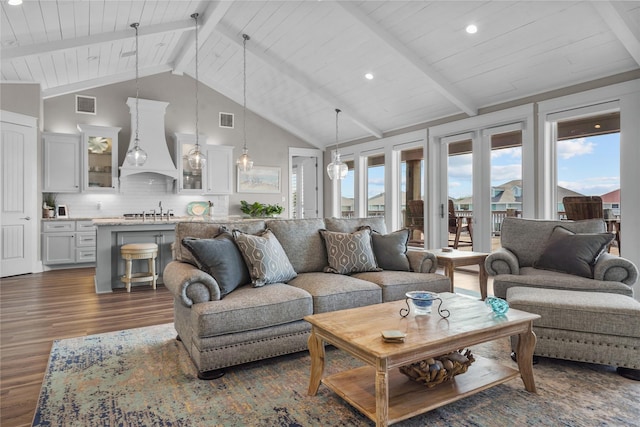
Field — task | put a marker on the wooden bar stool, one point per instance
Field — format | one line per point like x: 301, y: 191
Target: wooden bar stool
x: 131, y: 251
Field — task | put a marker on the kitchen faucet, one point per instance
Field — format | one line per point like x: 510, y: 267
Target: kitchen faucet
x: 160, y: 206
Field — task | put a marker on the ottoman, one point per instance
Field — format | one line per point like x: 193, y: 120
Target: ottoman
x: 592, y: 327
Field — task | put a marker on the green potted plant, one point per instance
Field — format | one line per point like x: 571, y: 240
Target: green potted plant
x: 48, y: 205
x: 258, y: 209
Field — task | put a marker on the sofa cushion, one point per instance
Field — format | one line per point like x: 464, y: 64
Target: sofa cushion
x: 333, y: 292
x: 395, y: 284
x: 249, y: 308
x: 220, y: 258
x: 526, y: 238
x: 391, y: 249
x: 572, y: 253
x: 535, y: 278
x: 265, y: 258
x: 348, y: 225
x: 592, y: 312
x: 301, y: 242
x: 206, y: 230
x: 349, y: 253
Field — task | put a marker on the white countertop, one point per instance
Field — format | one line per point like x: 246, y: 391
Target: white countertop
x: 149, y: 221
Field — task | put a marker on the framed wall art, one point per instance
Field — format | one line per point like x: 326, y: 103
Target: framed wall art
x: 260, y: 179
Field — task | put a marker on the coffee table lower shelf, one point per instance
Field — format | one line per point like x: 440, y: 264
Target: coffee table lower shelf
x: 407, y: 398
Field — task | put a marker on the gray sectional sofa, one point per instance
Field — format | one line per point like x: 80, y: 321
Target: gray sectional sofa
x: 252, y: 323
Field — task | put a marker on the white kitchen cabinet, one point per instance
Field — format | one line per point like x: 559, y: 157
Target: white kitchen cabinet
x: 99, y: 158
x: 68, y: 242
x: 61, y: 158
x: 220, y: 167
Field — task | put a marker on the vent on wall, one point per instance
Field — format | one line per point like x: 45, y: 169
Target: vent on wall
x: 226, y: 120
x: 86, y: 104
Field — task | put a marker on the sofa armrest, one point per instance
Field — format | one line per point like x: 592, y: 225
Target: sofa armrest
x: 422, y: 261
x: 502, y: 261
x: 615, y: 269
x: 189, y: 284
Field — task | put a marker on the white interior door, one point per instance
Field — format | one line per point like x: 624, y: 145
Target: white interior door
x: 305, y: 182
x: 18, y: 202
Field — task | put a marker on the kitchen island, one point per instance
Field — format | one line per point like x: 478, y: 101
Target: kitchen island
x: 112, y: 233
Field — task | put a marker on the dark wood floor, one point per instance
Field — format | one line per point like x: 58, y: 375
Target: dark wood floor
x: 37, y: 309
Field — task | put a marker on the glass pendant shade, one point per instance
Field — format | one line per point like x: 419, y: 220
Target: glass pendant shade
x: 196, y: 158
x: 244, y: 162
x: 336, y: 169
x: 136, y: 156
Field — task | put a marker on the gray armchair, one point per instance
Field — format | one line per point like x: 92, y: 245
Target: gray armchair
x: 525, y: 240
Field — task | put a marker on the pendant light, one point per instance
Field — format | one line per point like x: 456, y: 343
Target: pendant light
x: 196, y: 158
x: 244, y: 162
x: 136, y: 156
x: 336, y: 169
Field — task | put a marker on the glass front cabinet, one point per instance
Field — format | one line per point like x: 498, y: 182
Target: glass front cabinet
x: 100, y: 158
x: 190, y: 181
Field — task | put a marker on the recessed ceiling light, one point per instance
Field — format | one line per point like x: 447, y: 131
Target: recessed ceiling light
x: 597, y: 126
x: 471, y: 29
x: 15, y: 2
x: 368, y: 76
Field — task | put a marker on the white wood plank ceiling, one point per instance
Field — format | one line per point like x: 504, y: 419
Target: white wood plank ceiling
x: 306, y: 58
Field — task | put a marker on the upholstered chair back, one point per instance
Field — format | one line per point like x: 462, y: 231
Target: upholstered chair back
x: 527, y: 238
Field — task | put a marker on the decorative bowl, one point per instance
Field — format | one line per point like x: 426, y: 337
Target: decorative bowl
x: 421, y: 301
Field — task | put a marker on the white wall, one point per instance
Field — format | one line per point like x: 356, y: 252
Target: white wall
x: 268, y: 144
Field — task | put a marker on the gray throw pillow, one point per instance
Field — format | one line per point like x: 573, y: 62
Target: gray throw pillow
x: 349, y: 253
x: 391, y: 250
x: 265, y: 257
x: 220, y: 258
x: 568, y: 252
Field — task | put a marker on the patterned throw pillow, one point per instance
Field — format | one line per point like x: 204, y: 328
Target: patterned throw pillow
x: 568, y: 252
x: 265, y: 257
x: 220, y: 258
x: 349, y: 252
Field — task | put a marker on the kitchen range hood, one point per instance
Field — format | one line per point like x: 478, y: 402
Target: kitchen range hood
x: 152, y: 139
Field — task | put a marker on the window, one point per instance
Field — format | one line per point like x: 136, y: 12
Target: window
x: 375, y: 185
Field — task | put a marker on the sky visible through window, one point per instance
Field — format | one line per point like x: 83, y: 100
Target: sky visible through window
x: 590, y: 166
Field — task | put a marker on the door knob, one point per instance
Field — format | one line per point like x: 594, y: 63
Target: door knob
x: 28, y: 218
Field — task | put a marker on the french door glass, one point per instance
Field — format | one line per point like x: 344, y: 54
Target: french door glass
x: 460, y: 193
x: 347, y: 192
x: 375, y: 185
x: 506, y: 180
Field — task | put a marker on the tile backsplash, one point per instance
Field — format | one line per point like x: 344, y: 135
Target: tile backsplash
x: 138, y: 193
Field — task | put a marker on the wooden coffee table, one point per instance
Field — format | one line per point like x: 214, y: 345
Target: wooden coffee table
x: 379, y: 390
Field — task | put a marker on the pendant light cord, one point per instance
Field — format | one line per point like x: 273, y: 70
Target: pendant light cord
x: 244, y: 90
x: 337, y: 112
x: 195, y: 17
x: 135, y: 25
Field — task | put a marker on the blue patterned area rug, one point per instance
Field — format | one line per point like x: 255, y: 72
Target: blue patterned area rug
x: 143, y: 377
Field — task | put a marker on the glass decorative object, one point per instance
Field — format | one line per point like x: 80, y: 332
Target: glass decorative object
x: 497, y: 305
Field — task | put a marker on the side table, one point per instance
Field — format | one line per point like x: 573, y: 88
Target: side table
x: 456, y: 258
